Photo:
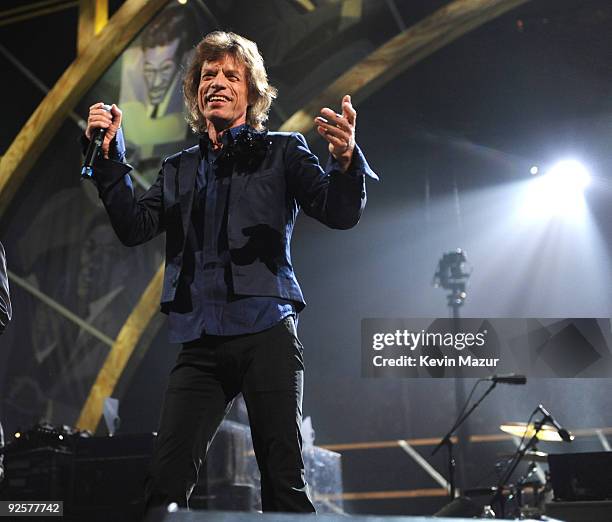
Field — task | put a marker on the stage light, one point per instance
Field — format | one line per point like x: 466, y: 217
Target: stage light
x: 558, y: 192
x: 569, y: 175
x: 182, y: 2
x: 17, y: 435
x: 534, y: 170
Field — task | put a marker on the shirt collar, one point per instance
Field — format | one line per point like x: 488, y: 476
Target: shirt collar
x: 205, y: 143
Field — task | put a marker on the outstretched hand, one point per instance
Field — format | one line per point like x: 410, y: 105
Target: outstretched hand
x: 339, y: 131
x: 100, y: 118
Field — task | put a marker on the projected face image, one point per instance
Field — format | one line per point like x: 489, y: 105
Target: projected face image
x: 223, y: 91
x: 160, y: 67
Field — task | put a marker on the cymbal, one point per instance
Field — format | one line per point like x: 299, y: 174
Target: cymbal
x: 536, y: 456
x: 530, y: 456
x: 519, y: 429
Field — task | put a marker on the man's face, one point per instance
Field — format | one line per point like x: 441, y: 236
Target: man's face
x: 160, y: 65
x: 223, y: 92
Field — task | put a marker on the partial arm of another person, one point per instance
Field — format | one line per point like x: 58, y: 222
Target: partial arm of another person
x: 135, y: 220
x: 1, y: 454
x: 5, y: 298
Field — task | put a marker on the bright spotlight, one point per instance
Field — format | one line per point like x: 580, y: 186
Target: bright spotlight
x: 534, y: 170
x: 569, y: 175
x: 558, y: 192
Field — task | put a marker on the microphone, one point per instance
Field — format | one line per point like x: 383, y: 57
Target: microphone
x: 563, y: 433
x: 95, y: 146
x: 508, y: 378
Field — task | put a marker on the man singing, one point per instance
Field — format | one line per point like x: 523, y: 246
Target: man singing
x: 228, y: 207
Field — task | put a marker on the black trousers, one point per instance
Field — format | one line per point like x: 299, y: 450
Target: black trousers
x: 268, y: 368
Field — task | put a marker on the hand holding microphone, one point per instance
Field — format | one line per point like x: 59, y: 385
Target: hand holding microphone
x: 107, y: 117
x: 103, y: 123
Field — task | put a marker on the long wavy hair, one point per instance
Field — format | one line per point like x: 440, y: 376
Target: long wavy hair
x: 215, y: 46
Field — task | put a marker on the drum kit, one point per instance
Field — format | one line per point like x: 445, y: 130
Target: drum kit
x: 529, y: 493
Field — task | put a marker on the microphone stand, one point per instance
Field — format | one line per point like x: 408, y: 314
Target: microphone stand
x: 498, y: 496
x: 447, y: 440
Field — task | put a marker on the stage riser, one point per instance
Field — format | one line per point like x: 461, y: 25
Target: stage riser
x: 218, y: 516
x: 594, y: 511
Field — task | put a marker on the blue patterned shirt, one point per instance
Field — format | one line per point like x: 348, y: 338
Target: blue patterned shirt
x: 212, y: 306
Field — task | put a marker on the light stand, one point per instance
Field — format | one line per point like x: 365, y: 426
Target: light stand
x: 451, y: 276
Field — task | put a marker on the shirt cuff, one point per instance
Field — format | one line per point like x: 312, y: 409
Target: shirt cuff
x: 358, y: 167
